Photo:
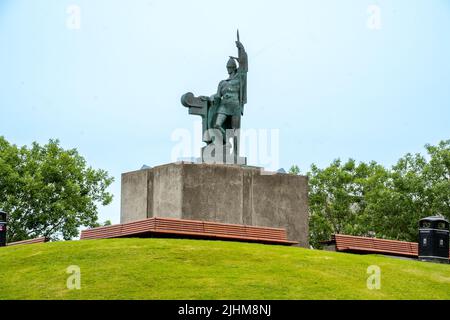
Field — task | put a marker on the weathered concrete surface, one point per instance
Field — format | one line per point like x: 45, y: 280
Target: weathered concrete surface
x: 221, y: 193
x: 167, y: 191
x: 136, y: 195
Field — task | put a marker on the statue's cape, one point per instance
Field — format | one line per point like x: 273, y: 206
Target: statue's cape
x: 243, y: 93
x: 243, y: 69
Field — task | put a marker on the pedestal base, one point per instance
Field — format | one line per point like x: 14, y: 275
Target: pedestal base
x: 219, y: 193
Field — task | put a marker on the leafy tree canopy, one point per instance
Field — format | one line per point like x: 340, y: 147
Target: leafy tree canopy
x: 294, y: 170
x: 49, y: 191
x: 369, y: 200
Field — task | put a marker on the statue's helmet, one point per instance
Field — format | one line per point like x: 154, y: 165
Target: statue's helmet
x: 231, y: 63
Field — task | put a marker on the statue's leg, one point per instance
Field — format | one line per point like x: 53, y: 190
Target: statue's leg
x: 220, y: 119
x: 236, y: 122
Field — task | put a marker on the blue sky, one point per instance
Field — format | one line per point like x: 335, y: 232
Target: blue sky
x: 333, y: 86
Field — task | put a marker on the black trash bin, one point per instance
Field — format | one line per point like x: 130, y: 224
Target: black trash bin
x: 2, y: 228
x: 434, y: 239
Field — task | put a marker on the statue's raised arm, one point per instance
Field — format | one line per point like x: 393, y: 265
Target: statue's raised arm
x: 242, y: 54
x: 242, y: 70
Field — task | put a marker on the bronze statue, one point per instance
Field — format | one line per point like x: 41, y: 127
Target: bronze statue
x: 221, y: 113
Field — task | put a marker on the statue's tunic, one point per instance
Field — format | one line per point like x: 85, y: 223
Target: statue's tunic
x: 229, y: 91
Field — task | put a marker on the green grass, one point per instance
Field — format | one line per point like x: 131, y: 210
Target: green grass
x: 193, y: 269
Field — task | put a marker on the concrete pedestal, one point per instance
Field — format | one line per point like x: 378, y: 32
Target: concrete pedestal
x: 221, y: 193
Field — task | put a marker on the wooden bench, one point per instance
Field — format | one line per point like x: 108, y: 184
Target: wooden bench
x: 356, y: 244
x: 190, y: 228
x: 30, y: 241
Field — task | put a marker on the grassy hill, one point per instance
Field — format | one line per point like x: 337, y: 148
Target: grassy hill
x: 192, y: 269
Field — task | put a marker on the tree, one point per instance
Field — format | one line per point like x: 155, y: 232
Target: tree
x: 294, y: 170
x: 418, y: 187
x: 49, y: 191
x: 370, y: 200
x: 395, y: 209
x: 337, y: 198
x: 437, y: 173
x: 104, y: 224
